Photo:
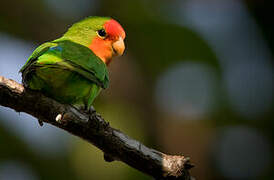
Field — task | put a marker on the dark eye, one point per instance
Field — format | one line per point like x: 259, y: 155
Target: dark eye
x: 102, y: 33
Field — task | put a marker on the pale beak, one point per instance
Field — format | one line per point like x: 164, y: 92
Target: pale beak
x: 118, y: 47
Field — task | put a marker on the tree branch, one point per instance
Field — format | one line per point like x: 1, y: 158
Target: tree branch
x: 94, y: 129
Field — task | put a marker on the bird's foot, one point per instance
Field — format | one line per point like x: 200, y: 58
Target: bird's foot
x: 91, y: 110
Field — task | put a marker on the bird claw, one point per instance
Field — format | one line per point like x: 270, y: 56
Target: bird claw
x: 91, y: 110
x: 87, y: 110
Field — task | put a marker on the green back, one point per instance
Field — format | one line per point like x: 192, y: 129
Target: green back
x: 65, y: 54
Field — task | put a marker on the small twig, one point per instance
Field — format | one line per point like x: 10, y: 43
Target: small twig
x: 94, y: 129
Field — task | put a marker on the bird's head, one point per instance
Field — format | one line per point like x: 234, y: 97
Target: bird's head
x: 103, y: 35
x: 109, y: 41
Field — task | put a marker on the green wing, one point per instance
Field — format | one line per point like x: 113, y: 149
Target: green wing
x: 36, y: 53
x: 82, y: 60
x: 70, y: 56
x: 29, y: 66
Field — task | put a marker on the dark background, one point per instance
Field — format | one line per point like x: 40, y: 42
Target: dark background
x: 196, y: 78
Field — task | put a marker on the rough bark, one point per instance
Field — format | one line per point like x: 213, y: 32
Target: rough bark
x: 94, y: 129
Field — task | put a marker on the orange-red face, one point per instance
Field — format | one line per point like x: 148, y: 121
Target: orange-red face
x: 109, y: 41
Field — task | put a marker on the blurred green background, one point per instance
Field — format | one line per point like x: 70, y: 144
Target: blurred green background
x: 196, y: 78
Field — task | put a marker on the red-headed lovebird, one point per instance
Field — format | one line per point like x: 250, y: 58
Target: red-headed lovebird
x: 73, y: 68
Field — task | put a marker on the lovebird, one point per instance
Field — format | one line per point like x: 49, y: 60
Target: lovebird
x: 73, y: 68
